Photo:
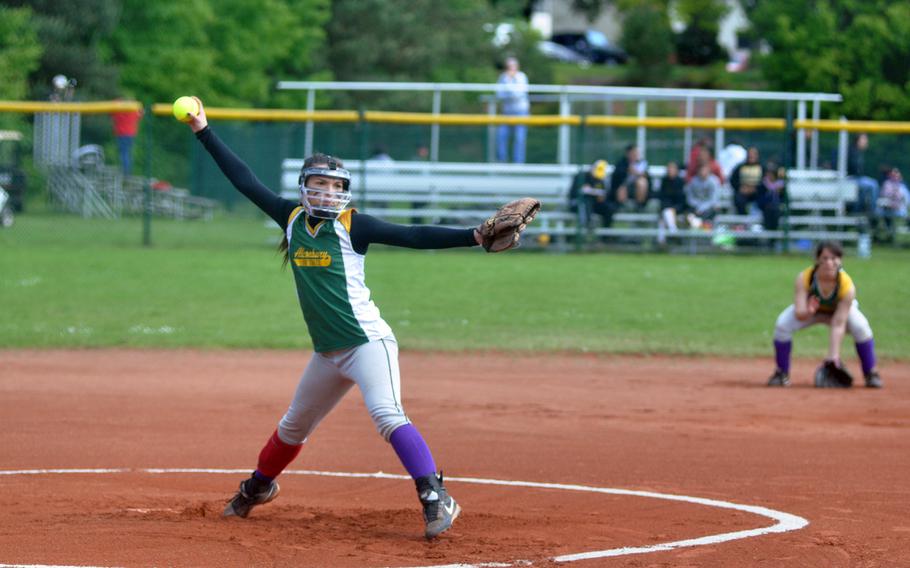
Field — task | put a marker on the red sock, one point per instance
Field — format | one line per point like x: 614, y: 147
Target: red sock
x: 275, y: 456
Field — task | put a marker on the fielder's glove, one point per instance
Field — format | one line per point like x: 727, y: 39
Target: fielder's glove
x: 503, y: 230
x: 834, y: 375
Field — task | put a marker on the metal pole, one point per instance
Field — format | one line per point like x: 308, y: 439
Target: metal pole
x: 580, y: 142
x: 813, y: 147
x: 147, y: 182
x: 364, y: 125
x: 608, y: 135
x: 843, y: 144
x: 308, y: 135
x: 788, y: 133
x: 687, y: 136
x: 565, y: 109
x: 434, y: 129
x: 721, y: 113
x: 641, y: 135
x: 801, y: 137
x: 491, y: 132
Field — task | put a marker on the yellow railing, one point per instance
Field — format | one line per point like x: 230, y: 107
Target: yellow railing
x: 451, y: 119
x: 881, y: 127
x: 102, y: 107
x: 268, y: 114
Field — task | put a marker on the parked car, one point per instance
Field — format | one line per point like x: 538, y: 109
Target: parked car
x: 592, y: 44
x: 557, y: 52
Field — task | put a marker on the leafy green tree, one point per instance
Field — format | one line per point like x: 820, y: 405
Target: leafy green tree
x: 163, y: 50
x: 70, y: 33
x: 408, y: 40
x: 252, y: 56
x: 20, y: 51
x: 20, y: 55
x: 591, y: 9
x: 859, y: 49
x: 229, y: 53
x: 648, y: 39
x: 697, y: 43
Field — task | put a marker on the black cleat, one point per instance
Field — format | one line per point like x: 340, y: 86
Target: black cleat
x: 251, y: 493
x: 439, y: 509
x: 874, y: 380
x: 779, y: 379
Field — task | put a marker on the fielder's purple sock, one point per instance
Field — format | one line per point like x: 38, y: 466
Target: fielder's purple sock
x: 782, y: 355
x: 866, y: 352
x: 413, y: 452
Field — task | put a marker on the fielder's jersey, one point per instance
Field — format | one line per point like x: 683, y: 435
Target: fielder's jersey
x: 329, y: 275
x: 827, y: 304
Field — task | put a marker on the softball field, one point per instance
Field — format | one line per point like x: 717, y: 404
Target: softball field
x: 126, y: 458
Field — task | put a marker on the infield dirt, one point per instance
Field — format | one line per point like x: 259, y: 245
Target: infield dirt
x: 702, y: 427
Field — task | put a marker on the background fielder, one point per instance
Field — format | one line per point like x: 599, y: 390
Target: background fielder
x: 825, y: 294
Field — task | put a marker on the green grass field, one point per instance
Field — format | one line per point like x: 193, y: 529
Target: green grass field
x: 67, y: 282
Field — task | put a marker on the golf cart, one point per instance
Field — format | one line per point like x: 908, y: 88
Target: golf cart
x: 6, y: 209
x: 12, y: 177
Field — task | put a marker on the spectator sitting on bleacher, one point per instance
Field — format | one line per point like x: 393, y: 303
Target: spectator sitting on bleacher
x: 731, y: 156
x: 672, y: 200
x: 745, y: 180
x: 588, y: 195
x: 705, y: 156
x: 771, y: 194
x: 691, y: 164
x: 892, y: 200
x: 866, y: 186
x: 703, y: 196
x: 630, y: 183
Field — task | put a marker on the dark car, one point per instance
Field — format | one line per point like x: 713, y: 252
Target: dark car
x: 552, y: 50
x: 593, y: 44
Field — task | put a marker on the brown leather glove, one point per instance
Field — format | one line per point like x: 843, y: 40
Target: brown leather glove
x: 503, y: 230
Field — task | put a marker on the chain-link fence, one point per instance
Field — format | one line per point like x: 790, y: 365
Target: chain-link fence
x: 173, y: 179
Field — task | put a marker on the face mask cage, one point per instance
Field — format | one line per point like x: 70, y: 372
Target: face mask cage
x: 324, y: 203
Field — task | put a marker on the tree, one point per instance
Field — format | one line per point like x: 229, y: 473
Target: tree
x: 232, y: 56
x: 859, y: 49
x: 697, y: 43
x: 70, y: 33
x: 590, y: 8
x: 648, y: 39
x: 163, y: 53
x: 20, y: 52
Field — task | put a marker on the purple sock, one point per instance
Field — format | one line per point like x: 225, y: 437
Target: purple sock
x: 412, y: 450
x: 782, y: 355
x: 866, y: 352
x: 262, y: 477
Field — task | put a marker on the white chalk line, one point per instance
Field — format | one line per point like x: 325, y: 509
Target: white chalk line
x: 785, y: 522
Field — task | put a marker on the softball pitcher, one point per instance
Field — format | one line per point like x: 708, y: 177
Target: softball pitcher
x: 326, y: 244
x: 824, y: 293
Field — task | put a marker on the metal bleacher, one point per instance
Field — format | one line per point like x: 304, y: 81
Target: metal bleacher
x: 463, y: 194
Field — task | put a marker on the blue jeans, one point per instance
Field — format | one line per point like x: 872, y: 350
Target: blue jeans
x: 125, y: 145
x: 519, y: 137
x: 866, y: 195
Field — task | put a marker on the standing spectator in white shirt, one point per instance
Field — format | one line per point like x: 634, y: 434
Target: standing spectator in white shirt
x: 512, y: 93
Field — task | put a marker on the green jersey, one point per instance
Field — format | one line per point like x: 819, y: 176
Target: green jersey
x: 329, y: 276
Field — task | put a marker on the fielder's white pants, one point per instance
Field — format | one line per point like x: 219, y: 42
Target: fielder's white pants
x: 373, y: 367
x: 857, y: 324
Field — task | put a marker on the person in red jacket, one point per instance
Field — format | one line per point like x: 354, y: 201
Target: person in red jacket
x: 705, y: 156
x: 126, y: 126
